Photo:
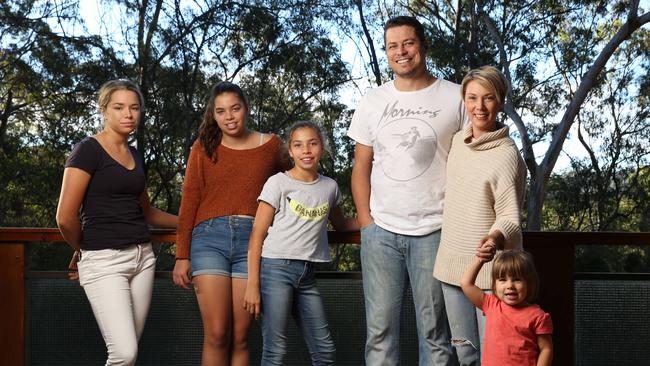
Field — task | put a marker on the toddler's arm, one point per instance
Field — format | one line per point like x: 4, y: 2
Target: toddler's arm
x: 473, y: 293
x: 263, y: 219
x: 545, y: 344
x: 484, y: 253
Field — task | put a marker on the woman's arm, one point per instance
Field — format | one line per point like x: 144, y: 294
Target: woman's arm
x: 156, y: 217
x: 263, y: 220
x: 73, y: 188
x: 341, y: 222
x: 545, y: 344
x: 508, y: 200
x: 191, y: 197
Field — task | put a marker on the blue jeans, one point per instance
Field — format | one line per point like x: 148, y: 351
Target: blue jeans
x: 220, y: 246
x: 288, y: 288
x: 467, y: 324
x: 387, y: 259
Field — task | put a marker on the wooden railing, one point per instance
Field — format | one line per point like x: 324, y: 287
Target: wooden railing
x: 554, y: 254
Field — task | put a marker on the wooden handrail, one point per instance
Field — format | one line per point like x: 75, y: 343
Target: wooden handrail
x: 531, y: 238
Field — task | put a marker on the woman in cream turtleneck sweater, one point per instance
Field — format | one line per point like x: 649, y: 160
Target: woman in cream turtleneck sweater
x: 486, y: 177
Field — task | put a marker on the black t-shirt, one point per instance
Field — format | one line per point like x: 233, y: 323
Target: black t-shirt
x: 111, y: 215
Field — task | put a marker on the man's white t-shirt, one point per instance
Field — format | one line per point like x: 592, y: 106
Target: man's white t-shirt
x: 410, y: 134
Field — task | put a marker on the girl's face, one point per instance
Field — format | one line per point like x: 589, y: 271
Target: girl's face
x: 482, y: 108
x: 231, y: 113
x: 511, y: 290
x: 122, y: 113
x: 305, y: 148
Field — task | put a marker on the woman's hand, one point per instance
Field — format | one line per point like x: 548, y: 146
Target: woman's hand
x: 488, y: 246
x: 252, y: 301
x: 486, y: 250
x: 181, y: 274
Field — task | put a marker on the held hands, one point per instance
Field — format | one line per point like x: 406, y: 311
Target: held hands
x: 486, y: 250
x: 252, y: 300
x: 181, y: 274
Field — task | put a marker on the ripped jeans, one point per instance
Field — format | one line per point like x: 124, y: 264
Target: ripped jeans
x: 467, y: 325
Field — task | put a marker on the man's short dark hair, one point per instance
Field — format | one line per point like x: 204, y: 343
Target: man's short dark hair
x: 409, y: 21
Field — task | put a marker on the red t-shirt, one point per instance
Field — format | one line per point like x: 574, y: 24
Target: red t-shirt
x: 511, y: 333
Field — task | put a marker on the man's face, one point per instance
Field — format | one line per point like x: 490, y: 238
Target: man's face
x: 405, y: 52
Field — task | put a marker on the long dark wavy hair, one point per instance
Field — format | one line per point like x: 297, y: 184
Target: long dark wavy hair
x: 209, y: 132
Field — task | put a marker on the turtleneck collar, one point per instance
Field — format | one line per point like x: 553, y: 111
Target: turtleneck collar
x: 488, y: 140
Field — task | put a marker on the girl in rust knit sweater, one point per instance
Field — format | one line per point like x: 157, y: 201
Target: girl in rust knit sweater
x: 225, y: 173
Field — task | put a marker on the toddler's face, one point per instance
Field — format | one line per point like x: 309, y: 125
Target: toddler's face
x: 511, y: 290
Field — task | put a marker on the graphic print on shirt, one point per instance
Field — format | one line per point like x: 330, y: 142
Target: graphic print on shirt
x: 309, y: 213
x: 407, y: 141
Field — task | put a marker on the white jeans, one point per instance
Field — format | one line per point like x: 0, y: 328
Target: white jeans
x: 118, y: 284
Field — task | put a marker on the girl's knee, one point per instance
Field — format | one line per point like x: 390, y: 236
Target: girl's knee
x: 217, y: 338
x: 123, y: 355
x: 240, y: 342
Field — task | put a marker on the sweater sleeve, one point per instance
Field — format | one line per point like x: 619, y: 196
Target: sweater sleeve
x: 508, y: 200
x: 193, y: 185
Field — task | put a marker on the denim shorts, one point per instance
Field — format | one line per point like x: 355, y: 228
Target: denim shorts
x: 220, y: 246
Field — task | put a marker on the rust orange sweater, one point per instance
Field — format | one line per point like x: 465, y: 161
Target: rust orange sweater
x: 228, y: 187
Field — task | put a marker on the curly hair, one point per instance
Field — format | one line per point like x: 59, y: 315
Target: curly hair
x: 209, y: 132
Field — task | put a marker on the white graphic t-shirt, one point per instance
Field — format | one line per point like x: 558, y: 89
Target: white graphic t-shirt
x: 299, y: 229
x: 410, y: 134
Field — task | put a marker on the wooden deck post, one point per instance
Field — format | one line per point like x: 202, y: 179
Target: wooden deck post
x: 12, y: 305
x: 555, y: 262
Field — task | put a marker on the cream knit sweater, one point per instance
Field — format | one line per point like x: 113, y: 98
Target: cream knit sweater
x: 485, y: 187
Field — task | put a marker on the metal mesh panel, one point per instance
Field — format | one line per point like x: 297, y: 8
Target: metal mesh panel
x: 61, y: 329
x: 612, y: 323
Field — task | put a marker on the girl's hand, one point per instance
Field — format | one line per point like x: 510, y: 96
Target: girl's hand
x: 252, y: 301
x: 73, y: 274
x: 181, y: 274
x: 486, y: 250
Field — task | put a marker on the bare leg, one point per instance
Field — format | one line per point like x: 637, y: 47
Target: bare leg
x: 213, y: 293
x: 241, y: 323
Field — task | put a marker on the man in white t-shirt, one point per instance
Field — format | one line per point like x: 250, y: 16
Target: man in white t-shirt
x: 403, y: 131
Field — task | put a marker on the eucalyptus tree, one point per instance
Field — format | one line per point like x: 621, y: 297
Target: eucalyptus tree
x: 46, y: 82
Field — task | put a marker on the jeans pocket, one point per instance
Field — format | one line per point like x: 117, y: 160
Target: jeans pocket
x: 95, y: 255
x: 200, y: 228
x: 366, y: 232
x: 275, y: 262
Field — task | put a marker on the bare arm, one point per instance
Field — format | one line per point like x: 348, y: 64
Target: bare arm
x: 361, y: 170
x: 73, y: 189
x: 545, y: 344
x: 263, y: 219
x: 156, y: 217
x: 473, y: 292
x: 159, y: 218
x: 342, y: 223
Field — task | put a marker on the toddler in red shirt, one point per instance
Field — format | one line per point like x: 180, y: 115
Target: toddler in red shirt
x: 517, y: 331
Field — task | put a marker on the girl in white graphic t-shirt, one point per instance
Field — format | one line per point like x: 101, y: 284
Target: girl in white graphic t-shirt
x: 289, y: 236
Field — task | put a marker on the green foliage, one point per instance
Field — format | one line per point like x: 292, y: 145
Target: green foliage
x: 288, y: 56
